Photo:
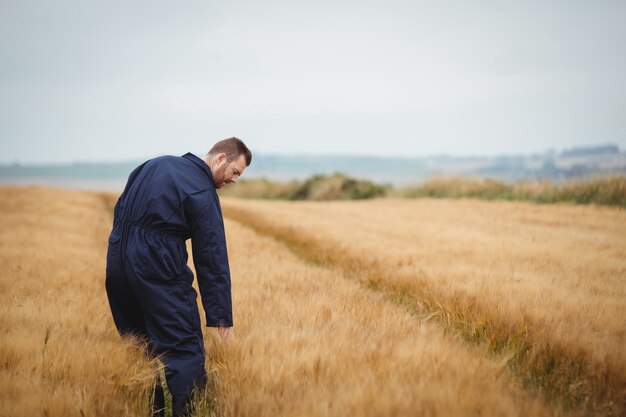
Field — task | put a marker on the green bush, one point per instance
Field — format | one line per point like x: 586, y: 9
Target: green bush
x: 336, y: 186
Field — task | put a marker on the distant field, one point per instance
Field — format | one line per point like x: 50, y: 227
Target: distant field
x: 385, y: 307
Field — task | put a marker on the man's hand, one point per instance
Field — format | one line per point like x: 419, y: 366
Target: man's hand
x: 223, y: 331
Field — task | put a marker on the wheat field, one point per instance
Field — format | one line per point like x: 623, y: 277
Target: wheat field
x: 544, y: 284
x: 59, y: 353
x: 356, y: 308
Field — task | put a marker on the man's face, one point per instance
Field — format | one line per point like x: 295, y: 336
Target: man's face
x: 226, y: 172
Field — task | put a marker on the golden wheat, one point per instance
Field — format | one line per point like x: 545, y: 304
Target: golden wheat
x: 60, y: 354
x: 308, y: 340
x: 548, y: 279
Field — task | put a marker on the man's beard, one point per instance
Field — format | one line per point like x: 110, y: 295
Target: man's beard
x: 219, y: 177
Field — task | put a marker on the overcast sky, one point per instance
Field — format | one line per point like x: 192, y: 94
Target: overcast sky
x: 110, y: 80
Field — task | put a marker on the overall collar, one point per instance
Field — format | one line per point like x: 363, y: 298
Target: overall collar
x: 200, y: 163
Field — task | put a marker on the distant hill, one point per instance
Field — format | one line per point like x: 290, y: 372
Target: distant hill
x: 593, y: 150
x: 550, y: 165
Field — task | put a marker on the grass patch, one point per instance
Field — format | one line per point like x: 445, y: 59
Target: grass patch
x: 608, y: 190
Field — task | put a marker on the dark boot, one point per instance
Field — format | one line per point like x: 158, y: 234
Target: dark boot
x: 158, y: 405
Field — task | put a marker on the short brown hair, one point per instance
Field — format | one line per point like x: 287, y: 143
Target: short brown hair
x: 233, y: 148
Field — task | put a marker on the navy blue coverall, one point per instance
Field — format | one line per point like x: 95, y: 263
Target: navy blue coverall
x: 166, y: 201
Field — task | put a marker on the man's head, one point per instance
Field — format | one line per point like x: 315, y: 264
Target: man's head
x: 227, y: 160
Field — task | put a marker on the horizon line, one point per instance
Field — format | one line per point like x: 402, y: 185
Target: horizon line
x: 75, y: 162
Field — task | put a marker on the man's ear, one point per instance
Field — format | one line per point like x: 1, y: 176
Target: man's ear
x: 221, y: 157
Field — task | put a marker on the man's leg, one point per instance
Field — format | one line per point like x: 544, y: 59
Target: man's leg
x: 184, y: 373
x: 128, y: 316
x: 125, y: 307
x: 173, y: 325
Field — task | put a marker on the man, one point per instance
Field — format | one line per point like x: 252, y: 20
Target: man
x: 166, y: 201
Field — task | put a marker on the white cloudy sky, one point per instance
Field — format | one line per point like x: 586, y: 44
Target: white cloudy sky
x: 106, y: 80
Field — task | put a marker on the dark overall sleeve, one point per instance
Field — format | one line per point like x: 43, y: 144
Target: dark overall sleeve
x: 210, y: 257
